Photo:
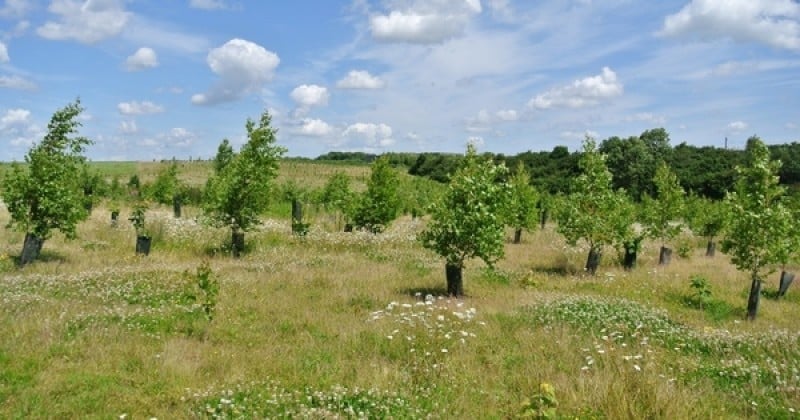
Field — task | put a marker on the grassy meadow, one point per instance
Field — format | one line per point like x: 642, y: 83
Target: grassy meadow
x: 355, y: 325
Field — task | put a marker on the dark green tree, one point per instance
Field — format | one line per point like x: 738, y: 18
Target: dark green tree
x: 48, y: 194
x: 663, y: 212
x: 380, y: 204
x: 239, y: 191
x: 522, y: 212
x: 338, y: 197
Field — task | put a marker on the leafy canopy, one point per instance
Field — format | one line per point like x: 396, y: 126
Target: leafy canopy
x: 240, y: 189
x: 522, y: 211
x: 591, y: 210
x: 47, y: 193
x: 762, y: 227
x: 380, y: 204
x: 662, y: 212
x: 467, y: 221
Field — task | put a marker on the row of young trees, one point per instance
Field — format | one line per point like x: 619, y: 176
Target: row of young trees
x: 467, y: 221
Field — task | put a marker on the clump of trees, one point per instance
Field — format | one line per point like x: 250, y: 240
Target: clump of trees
x: 239, y: 190
x: 47, y: 194
x: 467, y: 221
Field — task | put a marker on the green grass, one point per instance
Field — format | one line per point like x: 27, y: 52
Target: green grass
x: 354, y: 325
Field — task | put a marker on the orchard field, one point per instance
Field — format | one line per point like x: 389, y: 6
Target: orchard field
x: 351, y: 325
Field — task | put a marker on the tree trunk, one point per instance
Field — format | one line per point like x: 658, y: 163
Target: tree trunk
x: 594, y: 260
x: 752, y: 300
x: 176, y: 207
x: 665, y: 256
x: 143, y: 244
x: 786, y: 280
x: 711, y: 248
x: 31, y: 248
x: 237, y: 243
x: 114, y: 218
x: 455, y: 282
x: 297, y: 211
x: 517, y: 236
x: 543, y: 220
x: 348, y: 227
x: 629, y: 261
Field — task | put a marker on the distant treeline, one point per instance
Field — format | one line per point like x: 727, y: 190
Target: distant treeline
x: 704, y: 170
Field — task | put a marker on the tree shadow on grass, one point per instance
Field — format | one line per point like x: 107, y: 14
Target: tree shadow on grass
x: 44, y: 257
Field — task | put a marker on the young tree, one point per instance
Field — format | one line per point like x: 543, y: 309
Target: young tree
x: 522, y: 212
x: 708, y: 219
x: 48, y: 193
x: 762, y: 229
x: 662, y: 212
x: 590, y: 211
x: 467, y: 222
x: 380, y: 203
x: 338, y: 197
x: 240, y: 189
x: 224, y: 155
x: 166, y: 185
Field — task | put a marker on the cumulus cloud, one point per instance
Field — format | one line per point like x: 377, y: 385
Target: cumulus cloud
x: 242, y: 66
x: 578, y: 135
x: 314, y: 128
x: 507, y: 115
x: 425, y: 21
x: 584, y: 92
x: 143, y: 58
x: 16, y: 125
x: 175, y: 137
x: 16, y: 82
x: 371, y: 134
x: 737, y: 126
x: 3, y: 53
x: 476, y: 141
x: 88, y: 21
x: 360, y: 79
x: 483, y: 120
x: 139, y: 108
x: 771, y: 22
x: 307, y: 96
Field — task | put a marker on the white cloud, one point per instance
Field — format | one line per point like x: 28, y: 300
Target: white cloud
x: 314, y: 128
x: 771, y: 22
x: 139, y: 108
x: 16, y: 82
x: 737, y: 126
x: 425, y: 21
x: 476, y: 141
x: 646, y: 117
x: 15, y: 8
x: 128, y: 127
x: 360, y: 79
x: 143, y: 58
x: 584, y: 92
x: 791, y: 125
x: 88, y: 21
x: 578, y: 135
x: 175, y: 137
x: 307, y: 96
x: 3, y: 53
x: 243, y: 67
x: 208, y: 4
x: 372, y: 134
x: 143, y: 31
x: 507, y: 115
x: 14, y: 117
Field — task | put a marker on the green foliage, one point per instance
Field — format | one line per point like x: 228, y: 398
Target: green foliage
x: 224, y: 156
x: 661, y: 213
x: 166, y: 185
x: 701, y: 290
x: 522, y: 211
x: 48, y: 194
x: 209, y: 287
x: 337, y: 196
x: 762, y: 227
x: 138, y: 217
x: 239, y: 192
x: 467, y: 220
x: 380, y: 204
x: 706, y: 217
x: 593, y: 211
x: 543, y: 404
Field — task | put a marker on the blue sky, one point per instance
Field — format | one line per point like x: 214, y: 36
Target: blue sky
x: 164, y: 78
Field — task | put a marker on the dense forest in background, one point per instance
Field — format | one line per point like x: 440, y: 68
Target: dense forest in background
x: 704, y: 170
